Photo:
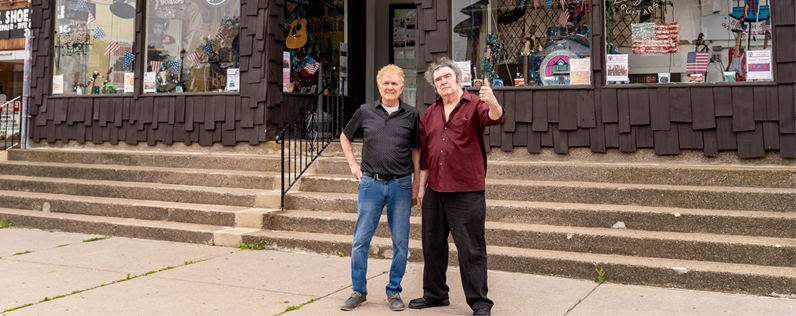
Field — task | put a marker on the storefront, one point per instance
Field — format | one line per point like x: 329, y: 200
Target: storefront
x: 14, y: 20
x: 574, y: 73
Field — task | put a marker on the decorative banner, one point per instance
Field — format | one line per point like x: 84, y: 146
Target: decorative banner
x: 58, y: 84
x: 656, y: 38
x: 617, y: 67
x: 128, y: 58
x: 220, y: 33
x: 758, y: 65
x: 90, y: 20
x: 80, y: 4
x: 129, y: 82
x: 99, y: 33
x: 194, y: 58
x: 208, y: 47
x: 175, y: 65
x: 112, y: 47
x: 155, y: 65
x: 13, y: 23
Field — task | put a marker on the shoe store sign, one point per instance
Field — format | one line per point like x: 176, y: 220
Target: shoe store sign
x: 13, y: 23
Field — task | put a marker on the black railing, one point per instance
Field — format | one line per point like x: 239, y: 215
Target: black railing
x: 11, y: 124
x: 304, y: 138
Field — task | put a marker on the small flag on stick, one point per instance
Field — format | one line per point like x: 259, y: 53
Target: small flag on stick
x: 697, y: 62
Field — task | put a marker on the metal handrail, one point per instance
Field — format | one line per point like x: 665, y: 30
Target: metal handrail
x: 306, y: 136
x: 16, y: 130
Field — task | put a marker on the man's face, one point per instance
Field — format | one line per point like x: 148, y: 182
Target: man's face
x: 390, y: 87
x: 157, y: 29
x: 445, y: 82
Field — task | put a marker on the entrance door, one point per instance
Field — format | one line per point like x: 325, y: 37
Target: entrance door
x: 402, y: 47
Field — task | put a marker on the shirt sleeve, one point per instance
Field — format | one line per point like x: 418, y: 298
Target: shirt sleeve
x: 423, y: 145
x: 483, y: 112
x: 416, y: 132
x: 354, y: 126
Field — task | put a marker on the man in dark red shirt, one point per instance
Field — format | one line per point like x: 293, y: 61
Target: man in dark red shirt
x: 453, y: 164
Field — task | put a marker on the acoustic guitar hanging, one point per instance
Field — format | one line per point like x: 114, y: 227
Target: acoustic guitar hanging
x: 738, y: 57
x: 297, y: 37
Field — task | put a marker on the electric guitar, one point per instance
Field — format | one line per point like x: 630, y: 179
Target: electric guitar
x: 738, y: 63
x: 297, y: 37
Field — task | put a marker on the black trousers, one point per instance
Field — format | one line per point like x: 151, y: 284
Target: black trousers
x: 461, y: 214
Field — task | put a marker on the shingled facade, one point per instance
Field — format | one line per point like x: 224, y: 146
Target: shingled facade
x: 747, y: 117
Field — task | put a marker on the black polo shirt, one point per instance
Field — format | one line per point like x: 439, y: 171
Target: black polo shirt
x: 389, y: 139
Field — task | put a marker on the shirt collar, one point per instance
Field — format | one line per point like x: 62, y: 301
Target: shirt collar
x: 465, y: 96
x: 401, y: 104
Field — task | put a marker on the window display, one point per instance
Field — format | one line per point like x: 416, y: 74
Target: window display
x: 94, y: 45
x: 689, y: 41
x: 524, y: 42
x: 313, y: 33
x: 191, y: 45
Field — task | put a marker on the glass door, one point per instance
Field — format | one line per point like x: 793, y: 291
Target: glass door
x: 402, y: 52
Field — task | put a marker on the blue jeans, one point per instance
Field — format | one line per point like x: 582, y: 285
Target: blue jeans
x: 373, y: 196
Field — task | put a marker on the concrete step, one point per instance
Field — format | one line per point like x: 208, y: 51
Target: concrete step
x: 695, y: 275
x: 243, y: 162
x: 186, y: 176
x: 204, y: 214
x: 628, y: 173
x: 684, y: 246
x: 140, y: 191
x: 679, y: 196
x: 748, y: 223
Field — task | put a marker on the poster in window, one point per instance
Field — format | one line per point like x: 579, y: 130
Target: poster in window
x: 58, y: 84
x: 233, y: 79
x: 149, y: 82
x: 129, y: 82
x: 580, y: 71
x: 616, y: 65
x: 466, y: 74
x: 758, y: 65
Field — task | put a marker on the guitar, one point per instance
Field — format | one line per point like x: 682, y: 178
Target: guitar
x: 765, y: 43
x: 297, y: 37
x: 738, y: 63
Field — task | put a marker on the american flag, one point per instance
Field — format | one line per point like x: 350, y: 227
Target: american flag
x: 98, y: 33
x: 549, y: 4
x: 194, y: 58
x: 128, y: 58
x: 535, y: 4
x: 112, y: 47
x: 562, y: 4
x: 90, y: 20
x: 563, y: 18
x: 208, y: 47
x: 175, y: 65
x: 220, y: 33
x: 311, y: 68
x: 155, y: 65
x: 80, y: 4
x: 697, y: 62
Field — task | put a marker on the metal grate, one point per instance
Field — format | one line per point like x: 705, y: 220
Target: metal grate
x: 620, y: 30
x: 516, y: 26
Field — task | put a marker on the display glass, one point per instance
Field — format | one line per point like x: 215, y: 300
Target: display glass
x: 94, y: 43
x: 688, y: 41
x: 522, y: 42
x: 314, y: 31
x: 191, y: 46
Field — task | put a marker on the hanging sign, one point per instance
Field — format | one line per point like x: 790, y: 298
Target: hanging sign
x: 13, y: 23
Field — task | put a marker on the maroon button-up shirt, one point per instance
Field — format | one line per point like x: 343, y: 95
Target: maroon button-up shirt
x: 453, y: 151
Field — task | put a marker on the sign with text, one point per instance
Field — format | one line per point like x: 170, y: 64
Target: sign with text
x: 13, y: 23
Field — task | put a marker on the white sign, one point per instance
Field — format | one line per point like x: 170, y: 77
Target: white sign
x: 758, y: 65
x: 467, y: 77
x: 149, y: 82
x: 580, y: 71
x: 129, y: 82
x: 616, y: 67
x: 233, y: 79
x: 58, y: 84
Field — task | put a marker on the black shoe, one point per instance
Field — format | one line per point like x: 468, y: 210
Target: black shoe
x: 420, y: 303
x: 481, y: 312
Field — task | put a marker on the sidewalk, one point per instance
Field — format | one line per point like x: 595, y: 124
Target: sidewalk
x: 167, y: 278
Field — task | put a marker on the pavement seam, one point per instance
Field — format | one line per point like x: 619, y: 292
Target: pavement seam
x: 581, y: 300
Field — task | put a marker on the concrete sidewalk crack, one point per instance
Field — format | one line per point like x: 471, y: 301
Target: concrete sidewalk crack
x: 581, y: 300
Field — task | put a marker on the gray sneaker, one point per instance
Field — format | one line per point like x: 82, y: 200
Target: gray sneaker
x: 395, y: 302
x: 354, y: 301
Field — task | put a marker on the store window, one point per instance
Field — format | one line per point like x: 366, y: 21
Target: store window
x: 314, y: 31
x: 93, y: 46
x: 191, y: 46
x: 688, y: 41
x: 522, y: 42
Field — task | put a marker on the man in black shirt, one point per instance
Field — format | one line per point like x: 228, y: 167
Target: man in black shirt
x: 390, y: 154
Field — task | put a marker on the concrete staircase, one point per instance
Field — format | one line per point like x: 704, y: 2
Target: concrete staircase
x: 718, y: 228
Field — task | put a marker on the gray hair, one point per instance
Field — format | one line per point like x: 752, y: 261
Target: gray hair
x: 443, y: 62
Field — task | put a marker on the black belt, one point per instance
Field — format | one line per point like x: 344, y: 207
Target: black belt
x: 383, y: 177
